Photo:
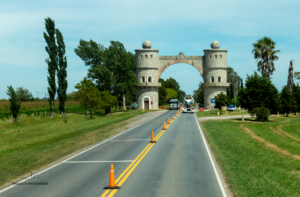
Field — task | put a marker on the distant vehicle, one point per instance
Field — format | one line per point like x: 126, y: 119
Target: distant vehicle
x: 231, y: 108
x: 173, y: 104
x: 188, y: 104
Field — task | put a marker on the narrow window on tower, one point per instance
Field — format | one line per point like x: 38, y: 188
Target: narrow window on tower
x: 141, y: 56
x: 151, y: 56
x: 219, y: 79
x: 146, y: 56
x: 143, y: 79
x: 221, y: 56
x: 212, y: 79
x: 216, y: 56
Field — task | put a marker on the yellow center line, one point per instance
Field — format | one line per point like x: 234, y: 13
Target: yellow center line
x: 108, y: 190
x: 127, y: 175
x: 122, y: 181
x: 134, y: 162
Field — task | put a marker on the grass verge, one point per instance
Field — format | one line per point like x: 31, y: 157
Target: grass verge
x: 258, y: 159
x: 215, y: 113
x: 46, y: 140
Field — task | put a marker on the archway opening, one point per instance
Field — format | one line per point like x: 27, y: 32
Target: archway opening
x: 188, y: 77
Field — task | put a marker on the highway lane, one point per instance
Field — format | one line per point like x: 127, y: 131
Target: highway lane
x: 177, y: 165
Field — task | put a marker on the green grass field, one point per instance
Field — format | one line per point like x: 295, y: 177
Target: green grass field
x: 42, y: 140
x: 258, y: 159
x: 29, y: 108
x: 215, y: 113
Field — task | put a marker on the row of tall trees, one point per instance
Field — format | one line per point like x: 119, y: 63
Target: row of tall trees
x: 260, y: 92
x: 112, y: 69
x: 57, y: 62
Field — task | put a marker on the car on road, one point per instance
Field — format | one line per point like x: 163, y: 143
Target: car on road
x: 231, y: 108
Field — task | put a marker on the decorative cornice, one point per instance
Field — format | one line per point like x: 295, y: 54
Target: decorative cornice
x: 144, y: 85
x: 211, y: 85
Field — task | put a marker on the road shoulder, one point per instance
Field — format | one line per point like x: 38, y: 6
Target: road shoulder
x: 216, y: 163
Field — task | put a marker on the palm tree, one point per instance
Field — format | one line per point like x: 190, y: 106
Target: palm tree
x: 265, y: 54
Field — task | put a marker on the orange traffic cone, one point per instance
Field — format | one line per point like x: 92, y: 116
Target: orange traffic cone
x: 173, y: 116
x: 112, y: 184
x: 152, y: 138
x: 169, y: 121
x: 164, y: 126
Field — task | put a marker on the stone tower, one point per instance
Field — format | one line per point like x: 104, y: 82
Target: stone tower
x: 215, y: 72
x: 146, y: 71
x: 149, y: 66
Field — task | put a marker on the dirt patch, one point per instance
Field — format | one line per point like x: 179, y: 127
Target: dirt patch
x: 280, y: 129
x: 288, y: 120
x: 268, y: 144
x: 296, y: 173
x: 274, y: 130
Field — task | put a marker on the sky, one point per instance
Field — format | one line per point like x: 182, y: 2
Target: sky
x: 171, y: 26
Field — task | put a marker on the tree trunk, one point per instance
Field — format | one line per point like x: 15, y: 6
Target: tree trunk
x: 51, y: 109
x: 91, y: 113
x: 85, y: 111
x: 117, y: 107
x: 108, y: 110
x: 124, y: 102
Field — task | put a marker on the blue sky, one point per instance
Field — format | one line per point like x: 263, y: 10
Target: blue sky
x: 171, y: 26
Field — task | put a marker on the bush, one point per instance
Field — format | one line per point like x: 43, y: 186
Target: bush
x: 262, y: 114
x: 162, y: 107
x: 65, y: 120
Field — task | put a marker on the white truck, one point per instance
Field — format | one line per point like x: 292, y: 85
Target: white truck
x: 188, y: 104
x: 173, y: 104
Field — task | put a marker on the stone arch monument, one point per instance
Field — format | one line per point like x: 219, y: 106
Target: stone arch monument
x: 149, y: 66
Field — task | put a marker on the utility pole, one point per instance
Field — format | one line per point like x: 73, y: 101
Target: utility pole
x: 37, y: 94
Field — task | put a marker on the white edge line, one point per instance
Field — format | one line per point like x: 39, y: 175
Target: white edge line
x: 211, y: 160
x: 79, y: 153
x: 96, y: 161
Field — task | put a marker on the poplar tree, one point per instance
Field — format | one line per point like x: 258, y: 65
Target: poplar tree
x: 231, y: 92
x: 15, y: 102
x: 51, y: 49
x: 61, y: 72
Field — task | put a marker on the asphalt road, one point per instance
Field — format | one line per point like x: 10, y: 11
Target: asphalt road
x: 177, y: 165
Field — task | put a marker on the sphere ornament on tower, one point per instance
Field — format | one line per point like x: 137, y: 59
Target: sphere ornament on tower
x: 215, y: 45
x: 146, y: 44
